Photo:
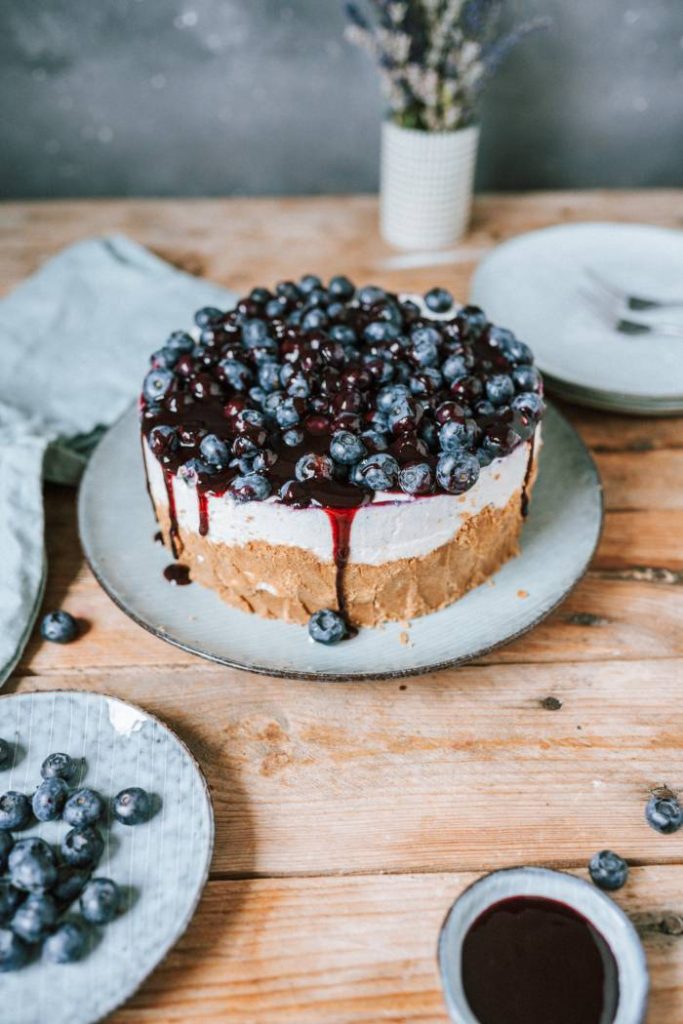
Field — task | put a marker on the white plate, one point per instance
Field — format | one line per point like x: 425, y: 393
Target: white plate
x: 536, y: 284
x: 117, y: 528
x: 162, y: 865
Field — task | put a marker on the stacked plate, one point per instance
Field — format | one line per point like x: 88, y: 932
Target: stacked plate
x: 569, y: 292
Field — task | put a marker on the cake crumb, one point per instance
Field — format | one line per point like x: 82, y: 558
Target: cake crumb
x: 404, y: 637
x: 522, y: 593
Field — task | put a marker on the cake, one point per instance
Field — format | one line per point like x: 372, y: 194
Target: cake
x: 338, y: 456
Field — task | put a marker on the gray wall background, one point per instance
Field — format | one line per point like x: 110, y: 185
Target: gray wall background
x: 219, y: 97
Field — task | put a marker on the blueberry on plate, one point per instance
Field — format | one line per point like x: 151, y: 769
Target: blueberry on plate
x: 59, y: 627
x: 66, y: 944
x: 15, y: 810
x: 5, y: 755
x: 70, y: 884
x: 100, y: 901
x: 157, y: 384
x: 327, y: 627
x: 35, y: 917
x: 49, y: 799
x: 10, y: 898
x: 32, y: 866
x: 457, y: 472
x: 663, y: 813
x: 84, y: 807
x: 608, y: 870
x: 439, y: 300
x: 82, y: 847
x: 59, y: 766
x: 13, y: 952
x: 132, y: 806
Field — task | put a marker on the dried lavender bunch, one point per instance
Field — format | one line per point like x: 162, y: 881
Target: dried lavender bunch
x: 434, y: 56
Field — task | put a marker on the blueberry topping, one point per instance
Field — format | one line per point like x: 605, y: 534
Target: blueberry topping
x: 67, y: 943
x: 344, y: 334
x: 207, y: 315
x: 84, y: 807
x: 608, y: 870
x: 180, y: 342
x: 347, y: 448
x: 32, y: 866
x: 370, y: 295
x: 314, y: 467
x: 416, y: 478
x: 59, y: 766
x: 49, y: 799
x: 34, y: 918
x: 250, y: 487
x: 499, y: 389
x: 327, y: 627
x: 456, y: 435
x: 439, y: 300
x: 379, y: 472
x: 292, y: 438
x: 13, y: 952
x: 15, y: 811
x: 132, y: 806
x: 341, y: 288
x: 254, y: 332
x: 664, y: 813
x: 82, y: 847
x: 157, y: 384
x: 59, y: 627
x: 163, y: 440
x: 457, y: 472
x: 214, y: 451
x: 100, y: 901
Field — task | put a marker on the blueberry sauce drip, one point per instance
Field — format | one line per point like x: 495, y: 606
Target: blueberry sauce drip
x: 203, y: 502
x: 173, y: 529
x: 177, y: 574
x: 341, y: 520
x: 527, y: 477
x: 530, y: 960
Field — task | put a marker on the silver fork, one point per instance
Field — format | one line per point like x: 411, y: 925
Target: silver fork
x: 627, y: 325
x: 636, y: 303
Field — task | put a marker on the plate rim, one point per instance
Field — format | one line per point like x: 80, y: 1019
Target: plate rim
x: 359, y: 676
x: 192, y: 909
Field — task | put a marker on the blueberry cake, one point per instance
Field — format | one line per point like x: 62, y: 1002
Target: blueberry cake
x: 326, y: 449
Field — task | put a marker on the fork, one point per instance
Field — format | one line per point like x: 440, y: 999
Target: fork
x: 636, y: 303
x: 627, y: 325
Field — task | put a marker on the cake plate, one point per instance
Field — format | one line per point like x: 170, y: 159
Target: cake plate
x: 161, y: 866
x: 117, y: 529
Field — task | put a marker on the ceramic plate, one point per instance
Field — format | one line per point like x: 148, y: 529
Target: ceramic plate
x: 117, y: 528
x: 538, y: 285
x: 161, y: 865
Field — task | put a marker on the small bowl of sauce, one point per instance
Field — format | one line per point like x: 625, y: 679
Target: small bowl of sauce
x: 534, y: 946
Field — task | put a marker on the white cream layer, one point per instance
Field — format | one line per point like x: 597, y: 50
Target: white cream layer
x: 394, y: 526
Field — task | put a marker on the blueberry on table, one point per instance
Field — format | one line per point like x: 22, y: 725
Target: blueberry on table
x: 439, y: 300
x: 6, y: 844
x: 5, y: 754
x: 59, y: 627
x: 35, y: 918
x: 15, y: 810
x: 32, y: 866
x: 132, y: 806
x: 13, y: 952
x: 59, y: 766
x: 49, y: 799
x: 100, y: 901
x: 82, y: 847
x: 608, y: 870
x: 84, y: 807
x: 67, y: 943
x: 10, y: 898
x: 664, y: 813
x: 327, y: 627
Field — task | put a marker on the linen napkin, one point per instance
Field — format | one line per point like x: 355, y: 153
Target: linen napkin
x: 75, y: 340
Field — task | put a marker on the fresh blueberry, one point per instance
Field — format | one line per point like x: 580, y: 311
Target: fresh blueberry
x: 314, y: 467
x: 439, y: 300
x: 70, y: 883
x: 381, y: 330
x: 529, y: 404
x: 263, y: 460
x: 100, y: 901
x: 82, y: 847
x: 59, y: 766
x: 288, y: 291
x: 298, y: 385
x: 430, y: 434
x: 326, y: 627
x: 32, y: 866
x: 293, y: 437
x: 165, y: 358
x: 426, y: 382
x: 250, y: 487
x: 207, y: 315
x: 344, y: 334
x: 254, y: 332
x: 66, y: 944
x: 456, y: 435
x: 389, y: 396
x: 257, y: 395
x: 314, y: 319
x: 6, y: 844
x: 287, y: 414
x: 341, y: 288
x: 157, y: 384
x: 370, y: 295
x: 454, y: 367
x: 235, y: 373
x: 405, y: 415
x: 471, y: 320
x: 132, y: 806
x: 35, y: 917
x: 274, y: 309
x: 308, y: 282
x: 260, y: 296
x: 15, y: 810
x: 485, y: 409
x: 375, y: 440
x: 457, y: 472
x: 214, y: 451
x: 84, y: 807
x: 608, y: 870
x: 58, y: 627
x: 163, y: 439
x: 499, y: 389
x: 269, y: 376
x: 416, y: 478
x: 14, y: 953
x: 335, y: 310
x: 664, y: 813
x: 346, y: 448
x: 5, y: 755
x: 424, y: 353
x: 49, y: 799
x: 511, y: 348
x: 180, y: 342
x: 527, y: 378
x: 379, y: 472
x: 10, y: 898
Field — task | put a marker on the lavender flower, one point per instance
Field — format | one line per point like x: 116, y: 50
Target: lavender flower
x: 435, y: 57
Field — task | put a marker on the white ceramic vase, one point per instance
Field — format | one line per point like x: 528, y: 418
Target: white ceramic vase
x: 426, y: 185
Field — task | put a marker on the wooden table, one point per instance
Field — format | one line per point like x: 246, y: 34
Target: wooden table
x: 349, y: 816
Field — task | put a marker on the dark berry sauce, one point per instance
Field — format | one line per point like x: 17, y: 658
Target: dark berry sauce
x: 177, y: 574
x: 341, y: 520
x: 530, y: 960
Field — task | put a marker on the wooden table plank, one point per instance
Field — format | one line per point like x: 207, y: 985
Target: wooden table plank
x: 358, y: 949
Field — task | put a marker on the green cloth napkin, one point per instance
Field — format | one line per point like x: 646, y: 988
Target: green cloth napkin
x: 75, y: 340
